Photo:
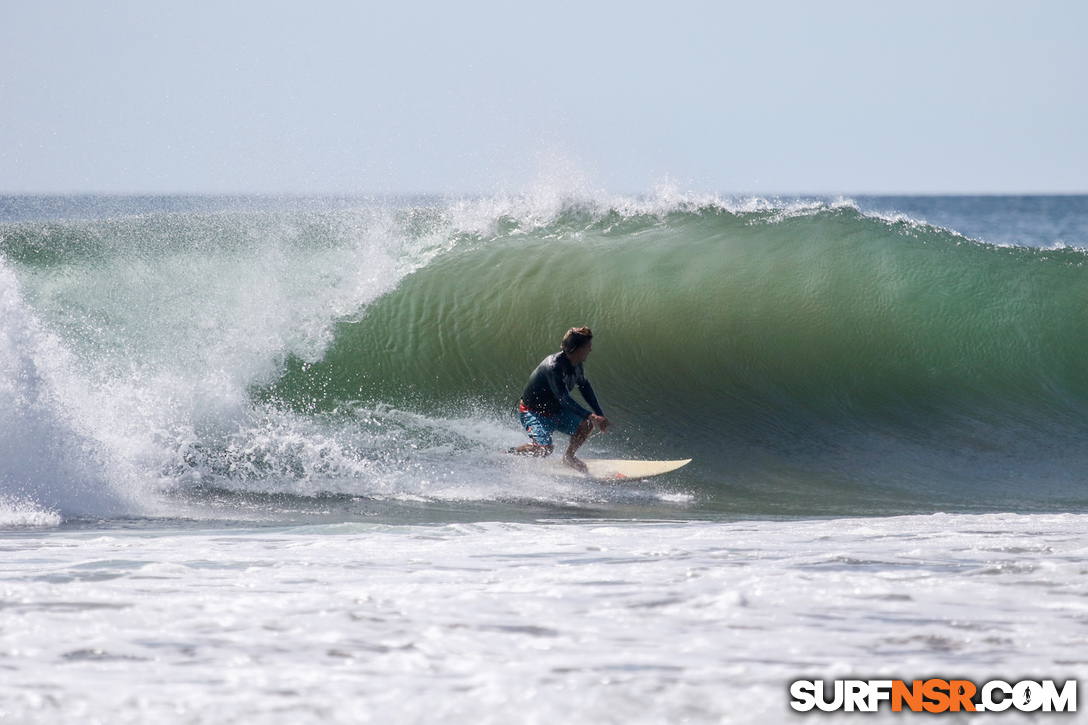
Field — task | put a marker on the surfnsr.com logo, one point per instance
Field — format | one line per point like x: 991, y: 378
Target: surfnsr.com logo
x: 934, y: 695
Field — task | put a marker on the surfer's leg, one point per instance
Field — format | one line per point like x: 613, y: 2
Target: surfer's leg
x: 580, y: 436
x: 540, y: 430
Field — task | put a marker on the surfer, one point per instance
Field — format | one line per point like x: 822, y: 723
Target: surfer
x: 546, y: 405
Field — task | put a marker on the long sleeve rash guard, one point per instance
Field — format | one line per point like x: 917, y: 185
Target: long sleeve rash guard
x: 548, y: 390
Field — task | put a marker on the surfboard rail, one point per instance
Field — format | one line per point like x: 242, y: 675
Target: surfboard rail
x: 629, y: 470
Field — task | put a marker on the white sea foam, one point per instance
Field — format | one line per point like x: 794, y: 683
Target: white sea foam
x: 15, y: 513
x: 580, y: 622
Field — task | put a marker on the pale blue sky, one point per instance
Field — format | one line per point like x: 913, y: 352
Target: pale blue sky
x: 492, y: 97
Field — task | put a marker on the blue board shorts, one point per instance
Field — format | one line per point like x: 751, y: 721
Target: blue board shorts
x: 540, y: 427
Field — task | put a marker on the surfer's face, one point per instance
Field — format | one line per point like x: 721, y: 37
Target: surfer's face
x: 579, y: 356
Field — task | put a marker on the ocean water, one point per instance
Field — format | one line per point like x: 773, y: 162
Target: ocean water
x: 252, y: 459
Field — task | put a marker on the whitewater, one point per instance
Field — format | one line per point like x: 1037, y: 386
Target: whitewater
x: 252, y: 460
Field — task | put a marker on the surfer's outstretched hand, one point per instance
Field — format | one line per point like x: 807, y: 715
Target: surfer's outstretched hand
x: 600, y: 422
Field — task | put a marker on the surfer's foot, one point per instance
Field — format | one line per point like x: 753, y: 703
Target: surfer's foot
x: 576, y: 464
x: 531, y: 449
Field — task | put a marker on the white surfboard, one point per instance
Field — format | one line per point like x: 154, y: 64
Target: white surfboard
x: 621, y: 470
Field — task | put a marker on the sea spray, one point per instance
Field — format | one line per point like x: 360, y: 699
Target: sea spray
x: 48, y: 463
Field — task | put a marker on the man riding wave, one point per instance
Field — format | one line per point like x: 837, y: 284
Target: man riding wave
x: 546, y: 405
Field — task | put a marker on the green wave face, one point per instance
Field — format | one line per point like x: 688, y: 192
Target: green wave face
x: 823, y: 314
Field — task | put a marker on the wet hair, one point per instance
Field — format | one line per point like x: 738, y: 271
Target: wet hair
x: 576, y: 337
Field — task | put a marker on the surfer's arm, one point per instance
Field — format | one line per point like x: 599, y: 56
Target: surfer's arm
x: 568, y: 403
x: 587, y: 392
x: 598, y: 416
x: 559, y: 390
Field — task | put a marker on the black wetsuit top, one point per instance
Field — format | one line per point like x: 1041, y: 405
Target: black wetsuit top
x: 548, y: 390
